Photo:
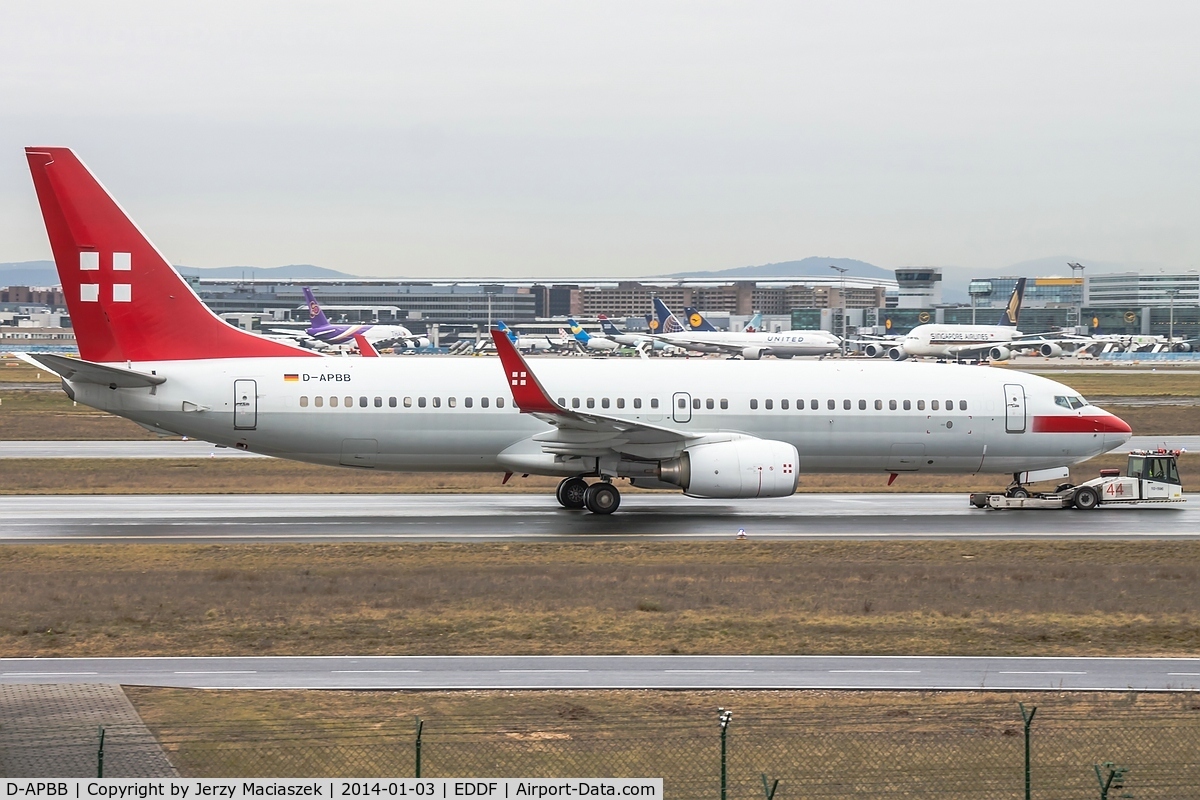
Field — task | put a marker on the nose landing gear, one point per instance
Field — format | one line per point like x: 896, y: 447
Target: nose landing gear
x: 599, y: 498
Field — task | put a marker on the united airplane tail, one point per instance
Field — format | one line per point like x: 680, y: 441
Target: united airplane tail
x: 317, y: 317
x: 664, y: 321
x: 126, y: 302
x: 1012, y: 312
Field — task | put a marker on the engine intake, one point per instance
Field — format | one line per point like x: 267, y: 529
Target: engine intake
x: 999, y: 354
x: 897, y: 354
x: 1050, y: 350
x: 735, y: 469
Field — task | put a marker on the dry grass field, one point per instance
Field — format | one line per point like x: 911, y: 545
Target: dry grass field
x: 816, y: 743
x: 978, y: 598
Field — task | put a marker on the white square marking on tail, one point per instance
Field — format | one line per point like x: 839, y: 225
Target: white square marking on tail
x: 122, y: 292
x: 89, y: 292
x: 122, y: 262
x: 89, y: 261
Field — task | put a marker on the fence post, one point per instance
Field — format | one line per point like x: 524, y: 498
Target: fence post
x: 100, y: 755
x: 1028, y: 717
x: 723, y: 718
x: 420, y: 727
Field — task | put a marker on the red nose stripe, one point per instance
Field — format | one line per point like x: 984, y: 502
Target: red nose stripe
x: 1096, y: 423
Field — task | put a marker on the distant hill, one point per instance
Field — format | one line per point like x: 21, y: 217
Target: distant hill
x: 43, y: 273
x: 813, y: 265
x: 289, y: 272
x: 28, y: 273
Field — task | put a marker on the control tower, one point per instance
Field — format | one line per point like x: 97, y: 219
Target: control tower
x: 920, y: 287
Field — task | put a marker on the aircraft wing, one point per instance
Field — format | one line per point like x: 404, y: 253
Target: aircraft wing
x: 583, y: 433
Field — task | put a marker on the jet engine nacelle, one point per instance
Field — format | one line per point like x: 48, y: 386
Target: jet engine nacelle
x: 874, y: 350
x: 1183, y: 347
x: 735, y: 469
x: 897, y: 354
x: 1050, y: 350
x: 752, y: 353
x: 999, y: 354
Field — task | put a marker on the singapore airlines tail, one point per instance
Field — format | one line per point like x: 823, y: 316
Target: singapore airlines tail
x: 1012, y: 312
x: 127, y: 303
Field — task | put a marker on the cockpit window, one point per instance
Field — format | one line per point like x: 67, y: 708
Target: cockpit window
x: 1072, y: 402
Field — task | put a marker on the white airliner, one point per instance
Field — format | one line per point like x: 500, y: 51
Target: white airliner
x: 750, y: 346
x: 974, y: 342
x: 152, y: 352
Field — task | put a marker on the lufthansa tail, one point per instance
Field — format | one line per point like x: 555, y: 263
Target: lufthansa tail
x: 696, y: 320
x: 127, y: 303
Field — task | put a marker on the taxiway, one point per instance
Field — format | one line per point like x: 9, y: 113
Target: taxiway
x: 617, y: 672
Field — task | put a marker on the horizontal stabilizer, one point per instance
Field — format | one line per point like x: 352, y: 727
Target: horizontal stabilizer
x: 79, y: 371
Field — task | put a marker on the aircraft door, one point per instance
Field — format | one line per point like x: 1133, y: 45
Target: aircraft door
x: 1014, y: 408
x: 245, y: 405
x: 681, y: 407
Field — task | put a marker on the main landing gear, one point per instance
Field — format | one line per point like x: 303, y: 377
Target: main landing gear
x: 599, y: 498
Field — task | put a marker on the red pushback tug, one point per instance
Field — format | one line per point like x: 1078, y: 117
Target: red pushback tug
x: 1152, y: 477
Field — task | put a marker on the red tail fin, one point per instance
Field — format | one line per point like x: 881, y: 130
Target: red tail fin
x: 127, y: 303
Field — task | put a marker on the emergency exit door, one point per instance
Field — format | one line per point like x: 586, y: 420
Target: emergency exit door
x: 245, y: 405
x: 1014, y: 408
x: 681, y: 407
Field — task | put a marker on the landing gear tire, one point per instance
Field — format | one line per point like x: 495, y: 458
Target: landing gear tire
x: 1086, y: 498
x: 1018, y: 493
x: 602, y: 498
x: 571, y: 493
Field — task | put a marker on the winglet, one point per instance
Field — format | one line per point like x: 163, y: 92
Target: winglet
x: 527, y: 390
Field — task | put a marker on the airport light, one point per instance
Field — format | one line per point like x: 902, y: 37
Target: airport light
x: 842, y: 271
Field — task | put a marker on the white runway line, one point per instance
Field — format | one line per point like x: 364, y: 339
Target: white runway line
x: 1047, y: 672
x: 881, y: 671
x: 27, y: 674
x: 372, y: 671
x: 219, y: 672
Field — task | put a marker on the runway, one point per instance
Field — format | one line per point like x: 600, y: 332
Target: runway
x: 617, y: 672
x: 536, y: 517
x: 173, y: 448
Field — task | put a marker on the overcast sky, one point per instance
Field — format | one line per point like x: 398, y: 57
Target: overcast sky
x: 464, y: 138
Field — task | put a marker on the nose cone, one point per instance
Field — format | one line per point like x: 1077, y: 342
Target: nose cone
x: 1116, y: 431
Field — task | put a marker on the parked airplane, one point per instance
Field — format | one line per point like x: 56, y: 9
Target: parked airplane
x: 997, y: 342
x: 531, y: 343
x: 750, y: 346
x: 152, y: 352
x: 589, y: 342
x: 321, y: 329
x: 639, y: 341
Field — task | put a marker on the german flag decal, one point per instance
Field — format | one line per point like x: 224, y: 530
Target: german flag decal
x: 291, y: 377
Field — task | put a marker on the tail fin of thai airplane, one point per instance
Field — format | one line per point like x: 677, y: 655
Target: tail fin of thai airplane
x: 1012, y: 312
x: 317, y: 318
x: 127, y: 303
x: 697, y: 321
x: 755, y: 323
x: 607, y: 326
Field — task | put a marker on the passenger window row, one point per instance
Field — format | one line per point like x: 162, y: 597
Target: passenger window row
x: 393, y: 402
x: 605, y: 402
x: 847, y: 405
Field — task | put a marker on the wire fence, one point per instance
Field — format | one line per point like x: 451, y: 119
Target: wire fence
x: 960, y: 752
